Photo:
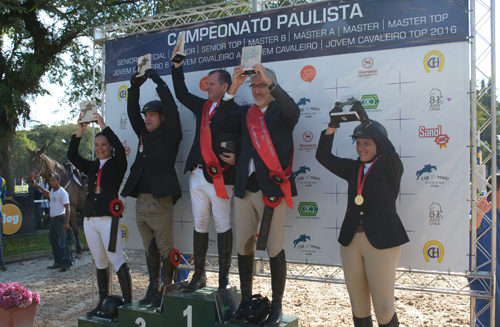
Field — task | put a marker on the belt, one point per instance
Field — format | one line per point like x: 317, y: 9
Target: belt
x: 56, y: 216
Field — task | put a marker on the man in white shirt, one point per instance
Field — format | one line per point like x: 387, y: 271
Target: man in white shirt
x: 59, y: 216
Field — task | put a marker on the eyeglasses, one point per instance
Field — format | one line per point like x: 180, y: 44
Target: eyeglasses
x: 261, y: 87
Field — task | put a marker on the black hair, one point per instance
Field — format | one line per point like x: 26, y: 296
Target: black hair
x: 55, y: 175
x: 224, y: 76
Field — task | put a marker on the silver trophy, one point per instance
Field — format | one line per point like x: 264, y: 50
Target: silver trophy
x: 250, y: 56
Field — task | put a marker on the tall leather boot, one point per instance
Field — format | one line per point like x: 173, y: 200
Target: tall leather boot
x: 153, y: 262
x: 102, y: 287
x: 393, y: 323
x: 278, y: 281
x: 362, y: 322
x: 125, y: 281
x: 245, y: 267
x: 169, y: 271
x: 225, y: 245
x: 200, y: 248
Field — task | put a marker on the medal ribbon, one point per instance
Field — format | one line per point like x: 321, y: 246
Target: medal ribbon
x: 208, y: 153
x: 141, y: 148
x: 361, y: 181
x: 99, y: 173
x: 264, y: 145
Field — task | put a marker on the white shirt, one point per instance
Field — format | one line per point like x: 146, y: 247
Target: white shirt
x: 57, y: 201
x: 102, y: 162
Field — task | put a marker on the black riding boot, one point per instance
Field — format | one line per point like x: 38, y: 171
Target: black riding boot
x: 169, y: 271
x: 225, y: 245
x: 362, y: 322
x: 200, y: 248
x: 245, y: 267
x: 125, y: 281
x: 278, y: 281
x: 153, y: 261
x: 102, y: 287
x: 393, y: 323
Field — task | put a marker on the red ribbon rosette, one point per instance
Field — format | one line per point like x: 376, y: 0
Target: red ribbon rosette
x: 214, y: 169
x: 278, y: 177
x: 273, y: 201
x: 175, y: 257
x: 116, y: 207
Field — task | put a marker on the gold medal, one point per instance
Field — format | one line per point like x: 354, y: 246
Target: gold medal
x: 98, y: 190
x: 358, y: 199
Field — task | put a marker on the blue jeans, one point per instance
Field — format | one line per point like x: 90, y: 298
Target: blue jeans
x: 55, y: 234
x: 38, y: 215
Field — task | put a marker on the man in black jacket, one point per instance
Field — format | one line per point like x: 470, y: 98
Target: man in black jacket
x: 263, y: 180
x: 210, y: 184
x: 153, y: 179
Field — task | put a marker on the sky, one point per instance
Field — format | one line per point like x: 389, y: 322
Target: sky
x: 48, y: 111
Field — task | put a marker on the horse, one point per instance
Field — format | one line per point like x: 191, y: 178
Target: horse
x: 302, y: 170
x: 303, y: 101
x: 426, y: 169
x: 302, y: 238
x: 42, y: 165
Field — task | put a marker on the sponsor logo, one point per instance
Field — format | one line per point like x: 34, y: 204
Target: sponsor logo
x: 127, y: 149
x: 12, y: 218
x: 433, y: 250
x: 123, y: 93
x: 203, y: 84
x: 308, y: 208
x: 435, y: 214
x: 307, y: 136
x: 370, y: 101
x: 302, y: 170
x: 123, y: 121
x: 303, y: 101
x: 308, y: 147
x: 434, y: 60
x: 435, y: 99
x: 303, y: 244
x: 367, y: 63
x: 427, y: 175
x: 305, y: 179
x: 125, y: 232
x: 435, y: 133
x: 308, y: 73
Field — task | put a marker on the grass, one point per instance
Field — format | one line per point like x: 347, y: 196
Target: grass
x: 31, y: 243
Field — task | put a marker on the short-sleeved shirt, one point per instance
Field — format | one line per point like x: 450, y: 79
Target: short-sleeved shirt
x: 57, y: 201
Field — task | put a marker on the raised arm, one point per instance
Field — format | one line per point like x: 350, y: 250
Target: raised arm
x: 133, y: 108
x: 74, y: 157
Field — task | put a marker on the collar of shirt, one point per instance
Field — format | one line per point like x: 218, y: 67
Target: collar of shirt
x: 102, y: 162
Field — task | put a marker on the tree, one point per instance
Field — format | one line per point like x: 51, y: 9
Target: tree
x: 37, y: 36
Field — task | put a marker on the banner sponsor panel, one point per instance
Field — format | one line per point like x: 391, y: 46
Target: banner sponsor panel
x: 417, y: 90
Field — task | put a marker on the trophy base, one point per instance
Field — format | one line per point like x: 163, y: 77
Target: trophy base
x: 249, y: 71
x: 346, y: 116
x: 178, y: 58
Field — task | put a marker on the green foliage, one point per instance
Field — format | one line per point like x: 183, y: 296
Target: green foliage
x: 56, y: 139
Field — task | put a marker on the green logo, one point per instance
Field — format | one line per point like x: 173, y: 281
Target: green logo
x: 370, y: 101
x: 308, y: 208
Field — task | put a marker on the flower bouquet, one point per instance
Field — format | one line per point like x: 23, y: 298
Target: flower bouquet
x: 19, y: 305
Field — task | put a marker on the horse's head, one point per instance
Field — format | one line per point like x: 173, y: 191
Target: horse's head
x: 35, y: 163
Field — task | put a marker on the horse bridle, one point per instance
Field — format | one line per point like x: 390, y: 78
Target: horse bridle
x: 38, y: 173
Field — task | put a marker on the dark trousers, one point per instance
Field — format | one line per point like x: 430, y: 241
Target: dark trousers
x: 55, y: 235
x: 38, y: 215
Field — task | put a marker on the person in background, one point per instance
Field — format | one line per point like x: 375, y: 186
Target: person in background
x: 45, y: 204
x: 101, y: 223
x: 483, y: 226
x: 3, y: 192
x: 59, y: 216
x: 372, y: 232
x: 37, y: 197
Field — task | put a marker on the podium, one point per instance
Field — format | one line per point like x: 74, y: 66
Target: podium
x: 180, y: 309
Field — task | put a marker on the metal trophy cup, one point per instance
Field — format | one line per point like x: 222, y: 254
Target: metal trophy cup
x: 250, y: 56
x: 87, y: 110
x: 347, y: 116
x: 179, y: 56
x: 143, y: 64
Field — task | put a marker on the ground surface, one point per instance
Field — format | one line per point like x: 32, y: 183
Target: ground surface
x: 65, y: 296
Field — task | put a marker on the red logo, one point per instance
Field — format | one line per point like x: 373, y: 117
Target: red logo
x: 367, y: 62
x: 307, y: 136
x: 435, y: 133
x: 308, y: 73
x: 203, y: 84
x: 127, y: 149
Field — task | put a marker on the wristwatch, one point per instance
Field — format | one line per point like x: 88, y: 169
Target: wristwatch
x: 272, y: 86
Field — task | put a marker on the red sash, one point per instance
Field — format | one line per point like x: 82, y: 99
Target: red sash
x: 264, y: 145
x: 214, y: 169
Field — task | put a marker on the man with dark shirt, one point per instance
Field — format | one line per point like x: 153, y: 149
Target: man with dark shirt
x: 153, y: 179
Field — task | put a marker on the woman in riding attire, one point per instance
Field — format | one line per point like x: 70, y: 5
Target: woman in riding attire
x: 101, y: 209
x: 372, y: 233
